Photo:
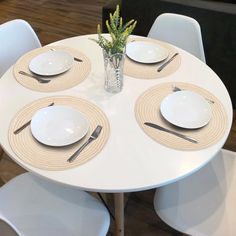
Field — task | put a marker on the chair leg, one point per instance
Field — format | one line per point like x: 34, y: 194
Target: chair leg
x: 105, y: 204
x: 1, y: 153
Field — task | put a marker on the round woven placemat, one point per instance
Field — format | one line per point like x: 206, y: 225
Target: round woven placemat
x: 55, y: 158
x: 147, y: 109
x: 149, y: 71
x: 69, y: 79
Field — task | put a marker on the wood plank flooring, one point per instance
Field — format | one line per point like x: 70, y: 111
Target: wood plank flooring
x: 55, y: 19
x: 58, y: 19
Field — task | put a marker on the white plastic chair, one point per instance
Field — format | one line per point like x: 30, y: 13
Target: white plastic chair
x: 203, y: 203
x: 34, y: 207
x: 17, y: 38
x: 181, y: 31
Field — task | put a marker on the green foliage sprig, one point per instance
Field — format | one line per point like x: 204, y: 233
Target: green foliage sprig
x: 118, y: 31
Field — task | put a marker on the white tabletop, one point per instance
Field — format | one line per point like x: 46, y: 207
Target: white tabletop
x: 130, y: 161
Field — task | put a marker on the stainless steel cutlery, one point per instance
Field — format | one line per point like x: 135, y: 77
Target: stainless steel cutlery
x: 75, y: 58
x: 167, y: 62
x: 155, y: 126
x: 176, y: 89
x: 93, y: 136
x: 43, y: 81
x: 17, y: 131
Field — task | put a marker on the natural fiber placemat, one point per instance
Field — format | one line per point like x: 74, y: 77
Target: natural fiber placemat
x: 147, y: 109
x: 149, y: 71
x: 69, y: 79
x: 55, y: 158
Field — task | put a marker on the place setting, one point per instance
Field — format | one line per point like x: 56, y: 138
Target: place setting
x: 58, y: 133
x: 52, y: 68
x: 150, y: 59
x: 181, y: 116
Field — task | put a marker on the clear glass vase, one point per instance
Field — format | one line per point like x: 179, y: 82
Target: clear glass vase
x: 114, y: 66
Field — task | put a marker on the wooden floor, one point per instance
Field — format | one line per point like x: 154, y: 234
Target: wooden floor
x: 58, y: 19
x: 55, y: 19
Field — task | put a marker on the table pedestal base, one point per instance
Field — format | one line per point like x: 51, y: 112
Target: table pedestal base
x: 119, y: 213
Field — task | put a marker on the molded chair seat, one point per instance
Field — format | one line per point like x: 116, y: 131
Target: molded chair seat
x: 203, y: 203
x: 34, y: 207
x: 181, y: 31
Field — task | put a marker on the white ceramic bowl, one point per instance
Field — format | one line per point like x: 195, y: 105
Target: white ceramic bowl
x: 59, y: 125
x: 51, y: 63
x: 146, y: 52
x: 186, y: 109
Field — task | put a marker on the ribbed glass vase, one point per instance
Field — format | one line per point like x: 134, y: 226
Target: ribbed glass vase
x: 114, y: 67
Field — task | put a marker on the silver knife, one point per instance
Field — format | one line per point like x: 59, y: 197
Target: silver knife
x: 167, y: 62
x: 75, y: 58
x: 93, y: 136
x: 17, y: 131
x: 155, y: 126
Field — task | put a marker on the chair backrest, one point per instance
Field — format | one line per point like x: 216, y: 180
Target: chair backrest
x: 181, y: 31
x: 17, y: 38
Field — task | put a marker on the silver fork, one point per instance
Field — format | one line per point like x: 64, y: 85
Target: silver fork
x: 34, y: 77
x: 93, y: 136
x: 176, y: 89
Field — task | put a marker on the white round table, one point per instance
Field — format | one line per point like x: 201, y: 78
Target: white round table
x: 130, y: 161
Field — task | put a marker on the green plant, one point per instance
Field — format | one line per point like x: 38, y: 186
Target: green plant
x: 118, y: 31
